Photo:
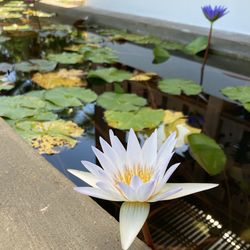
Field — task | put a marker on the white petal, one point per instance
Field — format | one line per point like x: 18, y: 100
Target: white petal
x: 94, y: 169
x: 132, y: 217
x: 105, y: 162
x: 108, y: 187
x: 187, y: 188
x: 145, y: 191
x: 149, y: 150
x: 98, y: 193
x: 117, y: 146
x: 133, y: 156
x: 163, y: 196
x: 87, y: 177
x: 127, y: 191
x: 135, y: 182
x: 182, y: 132
x: 111, y: 154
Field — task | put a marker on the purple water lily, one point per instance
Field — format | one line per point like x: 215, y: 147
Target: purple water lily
x: 213, y: 14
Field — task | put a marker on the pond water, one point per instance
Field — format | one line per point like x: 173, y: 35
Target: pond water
x: 216, y: 219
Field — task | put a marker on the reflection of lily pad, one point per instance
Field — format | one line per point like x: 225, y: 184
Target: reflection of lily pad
x: 175, y: 86
x: 241, y: 94
x: 160, y: 54
x: 46, y: 136
x: 110, y: 74
x: 70, y: 97
x: 207, y: 153
x: 36, y: 65
x: 138, y: 120
x: 121, y: 102
x: 62, y: 78
x: 196, y: 46
x: 66, y: 58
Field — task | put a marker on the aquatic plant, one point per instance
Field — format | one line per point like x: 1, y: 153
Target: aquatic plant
x: 212, y: 14
x: 137, y: 176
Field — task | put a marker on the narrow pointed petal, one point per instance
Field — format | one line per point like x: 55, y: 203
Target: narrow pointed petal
x: 132, y: 217
x: 117, y: 146
x: 87, y: 177
x: 145, y: 191
x: 133, y: 150
x: 135, y: 182
x: 98, y: 193
x: 187, y: 188
x: 94, y: 169
x: 149, y: 150
x: 127, y: 191
x: 163, y: 196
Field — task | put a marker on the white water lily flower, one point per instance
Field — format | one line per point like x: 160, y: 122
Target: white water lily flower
x: 136, y: 176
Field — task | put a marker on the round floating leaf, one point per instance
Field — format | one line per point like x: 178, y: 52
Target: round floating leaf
x: 175, y: 86
x: 66, y: 58
x: 207, y: 153
x: 196, y: 46
x: 241, y: 94
x: 62, y: 78
x: 110, y: 75
x: 36, y: 65
x: 120, y: 102
x: 70, y: 97
x: 160, y: 54
x: 6, y: 87
x: 138, y: 120
x: 48, y: 136
x: 142, y: 77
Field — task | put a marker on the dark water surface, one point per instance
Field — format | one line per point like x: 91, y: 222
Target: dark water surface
x: 216, y: 219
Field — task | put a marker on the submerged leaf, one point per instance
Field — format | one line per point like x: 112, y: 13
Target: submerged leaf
x: 175, y: 86
x: 138, y: 120
x: 47, y: 136
x: 70, y: 97
x: 66, y: 58
x: 207, y: 153
x: 160, y: 54
x: 120, y: 102
x: 36, y: 65
x: 110, y: 74
x: 197, y: 45
x: 62, y: 78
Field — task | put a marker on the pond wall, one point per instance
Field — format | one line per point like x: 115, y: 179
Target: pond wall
x: 182, y: 11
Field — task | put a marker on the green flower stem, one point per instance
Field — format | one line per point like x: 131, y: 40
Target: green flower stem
x: 206, y: 53
x: 147, y: 236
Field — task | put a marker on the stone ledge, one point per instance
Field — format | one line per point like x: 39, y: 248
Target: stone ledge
x: 40, y: 210
x: 231, y: 44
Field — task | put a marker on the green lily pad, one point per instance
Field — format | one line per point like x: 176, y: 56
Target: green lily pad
x: 120, y: 102
x: 36, y: 65
x: 160, y: 54
x: 70, y: 97
x: 110, y: 74
x: 207, y: 153
x: 19, y: 107
x: 66, y: 58
x: 6, y: 87
x: 4, y: 67
x: 138, y: 120
x: 175, y: 86
x: 197, y: 45
x: 241, y: 94
x: 48, y: 136
x: 15, y: 27
x: 99, y: 55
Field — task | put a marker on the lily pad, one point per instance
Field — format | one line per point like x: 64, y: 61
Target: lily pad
x: 15, y: 27
x: 241, y: 94
x: 176, y: 86
x: 48, y: 136
x: 138, y: 120
x: 70, y: 97
x: 142, y: 77
x: 196, y: 46
x: 36, y: 65
x: 110, y: 74
x: 121, y: 102
x: 62, y: 78
x: 160, y: 54
x: 4, y: 39
x: 66, y: 58
x: 4, y: 67
x: 19, y: 107
x: 6, y: 87
x: 207, y: 153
